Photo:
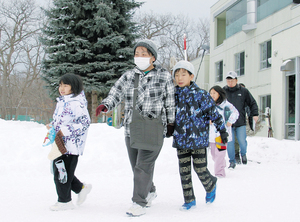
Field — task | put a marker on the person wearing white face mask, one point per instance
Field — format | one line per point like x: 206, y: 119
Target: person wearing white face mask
x: 155, y: 100
x: 144, y: 58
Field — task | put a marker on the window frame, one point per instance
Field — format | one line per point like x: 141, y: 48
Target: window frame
x: 265, y: 54
x: 265, y: 101
x: 219, y: 71
x: 239, y: 59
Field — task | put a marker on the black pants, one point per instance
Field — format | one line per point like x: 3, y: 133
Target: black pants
x: 200, y: 166
x: 72, y: 184
x: 142, y: 164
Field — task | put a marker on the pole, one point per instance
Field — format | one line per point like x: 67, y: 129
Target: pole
x: 205, y: 48
x: 200, y: 65
x: 184, y: 40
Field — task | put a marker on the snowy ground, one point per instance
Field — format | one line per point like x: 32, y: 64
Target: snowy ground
x: 268, y: 191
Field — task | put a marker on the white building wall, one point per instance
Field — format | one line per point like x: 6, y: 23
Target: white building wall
x: 202, y: 80
x: 259, y: 82
x: 286, y: 44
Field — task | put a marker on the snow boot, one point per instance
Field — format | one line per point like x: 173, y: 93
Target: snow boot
x: 210, y: 197
x: 188, y: 206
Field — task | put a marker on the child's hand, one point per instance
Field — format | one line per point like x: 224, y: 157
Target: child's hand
x: 49, y: 139
x: 228, y: 124
x: 210, y: 122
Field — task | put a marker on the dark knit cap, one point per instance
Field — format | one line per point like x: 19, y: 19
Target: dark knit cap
x: 150, y: 45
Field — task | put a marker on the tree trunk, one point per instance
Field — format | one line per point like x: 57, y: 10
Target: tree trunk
x: 94, y: 106
x: 4, y: 97
x: 88, y: 96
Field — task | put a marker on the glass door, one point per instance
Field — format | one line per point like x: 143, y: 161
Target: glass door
x: 292, y: 127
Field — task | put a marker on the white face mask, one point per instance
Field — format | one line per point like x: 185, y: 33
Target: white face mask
x: 142, y: 62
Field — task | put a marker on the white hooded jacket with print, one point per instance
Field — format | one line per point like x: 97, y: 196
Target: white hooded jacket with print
x: 72, y: 118
x: 234, y: 115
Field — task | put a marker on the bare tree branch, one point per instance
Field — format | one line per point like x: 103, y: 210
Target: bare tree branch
x: 18, y: 28
x: 168, y: 30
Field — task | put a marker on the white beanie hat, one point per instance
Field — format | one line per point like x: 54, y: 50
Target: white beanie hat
x: 184, y: 65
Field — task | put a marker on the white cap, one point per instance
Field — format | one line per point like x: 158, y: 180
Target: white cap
x: 232, y: 75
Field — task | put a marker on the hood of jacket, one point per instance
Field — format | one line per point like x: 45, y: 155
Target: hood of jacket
x: 68, y: 98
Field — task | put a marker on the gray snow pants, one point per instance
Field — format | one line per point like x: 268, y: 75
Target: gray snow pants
x: 142, y: 164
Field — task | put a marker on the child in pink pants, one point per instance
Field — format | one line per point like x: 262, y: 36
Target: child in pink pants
x: 230, y: 114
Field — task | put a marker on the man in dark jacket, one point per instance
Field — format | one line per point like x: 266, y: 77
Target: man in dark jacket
x: 240, y: 97
x: 236, y: 143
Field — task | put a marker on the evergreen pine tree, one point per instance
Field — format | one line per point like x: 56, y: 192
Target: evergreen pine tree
x: 91, y: 38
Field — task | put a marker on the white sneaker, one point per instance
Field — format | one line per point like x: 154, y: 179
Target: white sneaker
x: 86, y: 189
x: 136, y: 210
x: 151, y: 196
x: 62, y: 206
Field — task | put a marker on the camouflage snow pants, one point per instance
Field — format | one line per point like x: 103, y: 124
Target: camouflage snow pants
x: 200, y: 166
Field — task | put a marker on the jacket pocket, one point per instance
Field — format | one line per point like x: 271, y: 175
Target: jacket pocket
x: 155, y: 91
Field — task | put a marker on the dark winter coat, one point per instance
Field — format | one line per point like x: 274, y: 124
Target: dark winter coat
x: 240, y: 97
x: 194, y: 109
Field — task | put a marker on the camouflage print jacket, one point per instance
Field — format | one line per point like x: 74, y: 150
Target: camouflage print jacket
x: 194, y: 109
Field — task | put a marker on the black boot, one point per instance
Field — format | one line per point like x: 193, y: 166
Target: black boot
x: 231, y: 165
x: 237, y: 158
x: 244, y: 159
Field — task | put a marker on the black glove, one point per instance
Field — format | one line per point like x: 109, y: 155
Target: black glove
x: 224, y: 136
x: 170, y: 131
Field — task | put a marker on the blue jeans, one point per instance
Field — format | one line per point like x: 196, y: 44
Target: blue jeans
x: 241, y: 136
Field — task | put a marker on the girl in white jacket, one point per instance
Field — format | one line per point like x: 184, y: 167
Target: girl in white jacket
x: 230, y: 114
x: 71, y: 121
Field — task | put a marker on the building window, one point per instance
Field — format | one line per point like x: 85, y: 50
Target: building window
x: 266, y: 8
x: 265, y: 54
x: 219, y: 71
x: 231, y: 21
x: 236, y: 17
x: 221, y: 28
x: 240, y: 63
x: 265, y: 101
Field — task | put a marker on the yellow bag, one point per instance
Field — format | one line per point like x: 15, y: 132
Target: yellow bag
x: 219, y: 143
